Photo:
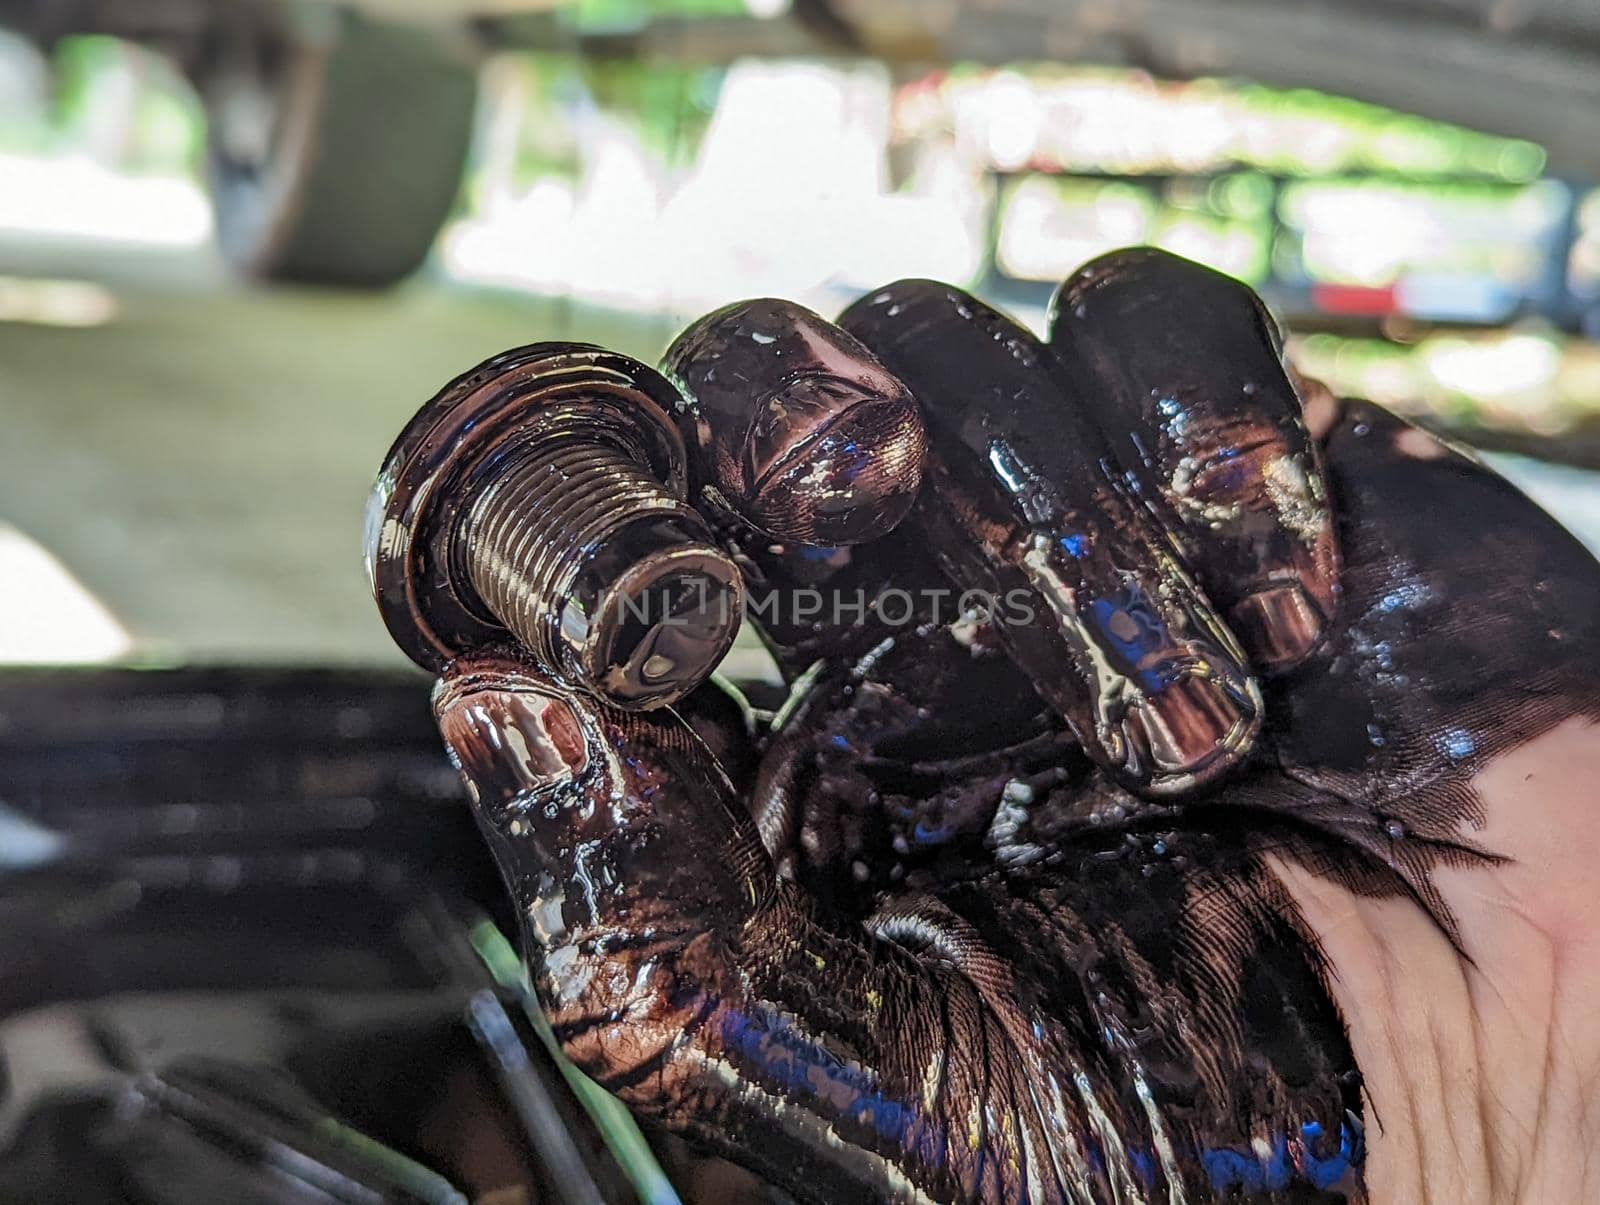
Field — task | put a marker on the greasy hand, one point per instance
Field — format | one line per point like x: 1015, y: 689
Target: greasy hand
x: 1226, y: 870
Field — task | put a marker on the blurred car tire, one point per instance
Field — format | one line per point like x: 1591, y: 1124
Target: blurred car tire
x: 334, y: 160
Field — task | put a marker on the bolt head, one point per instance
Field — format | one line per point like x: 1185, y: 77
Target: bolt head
x: 426, y: 481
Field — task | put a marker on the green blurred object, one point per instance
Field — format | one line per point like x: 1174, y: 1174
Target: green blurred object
x: 614, y: 1121
x: 127, y: 104
x: 609, y: 16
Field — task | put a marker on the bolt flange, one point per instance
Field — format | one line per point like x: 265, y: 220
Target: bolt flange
x: 541, y: 495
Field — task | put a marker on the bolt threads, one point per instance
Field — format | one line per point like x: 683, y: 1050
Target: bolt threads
x: 549, y: 538
x: 530, y: 531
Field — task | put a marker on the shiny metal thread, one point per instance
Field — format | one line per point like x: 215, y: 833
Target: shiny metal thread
x: 529, y: 534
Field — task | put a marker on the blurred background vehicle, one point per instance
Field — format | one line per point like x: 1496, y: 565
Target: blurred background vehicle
x: 241, y: 242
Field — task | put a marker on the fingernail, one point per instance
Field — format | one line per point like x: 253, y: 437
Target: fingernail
x: 847, y: 481
x: 1280, y: 625
x: 1192, y: 711
x: 1030, y: 502
x: 798, y: 425
x: 1190, y: 733
x: 508, y: 737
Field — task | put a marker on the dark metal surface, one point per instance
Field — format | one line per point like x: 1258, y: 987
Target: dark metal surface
x: 416, y: 500
x: 245, y: 924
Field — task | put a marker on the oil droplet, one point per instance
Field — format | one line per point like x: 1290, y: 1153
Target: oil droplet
x: 1395, y: 829
x: 1375, y: 735
x: 1017, y: 791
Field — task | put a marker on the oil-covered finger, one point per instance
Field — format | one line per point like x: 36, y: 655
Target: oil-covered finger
x: 572, y: 791
x: 1025, y: 509
x: 797, y: 427
x: 676, y: 970
x: 1182, y: 367
x: 1468, y: 628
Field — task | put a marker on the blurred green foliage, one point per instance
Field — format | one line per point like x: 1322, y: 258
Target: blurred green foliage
x: 594, y: 16
x: 671, y: 103
x: 1283, y: 131
x: 164, y: 129
x: 116, y: 101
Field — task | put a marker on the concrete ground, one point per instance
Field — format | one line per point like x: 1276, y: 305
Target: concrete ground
x: 200, y: 459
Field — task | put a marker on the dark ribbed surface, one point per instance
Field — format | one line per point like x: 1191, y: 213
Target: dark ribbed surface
x: 530, y: 531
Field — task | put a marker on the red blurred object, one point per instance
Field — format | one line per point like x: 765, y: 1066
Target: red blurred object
x: 1355, y: 299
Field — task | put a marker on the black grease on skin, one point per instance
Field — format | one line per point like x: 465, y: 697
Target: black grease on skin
x: 887, y: 769
x: 806, y: 453
x: 1039, y: 976
x: 1023, y: 496
x: 1182, y: 368
x: 795, y: 425
x: 1081, y: 1028
x: 897, y: 700
x: 1142, y: 940
x: 1469, y: 627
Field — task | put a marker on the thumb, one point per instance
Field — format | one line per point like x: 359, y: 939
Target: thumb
x: 675, y: 969
x: 604, y: 823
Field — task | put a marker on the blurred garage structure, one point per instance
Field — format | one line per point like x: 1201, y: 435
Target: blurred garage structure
x: 1413, y: 186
